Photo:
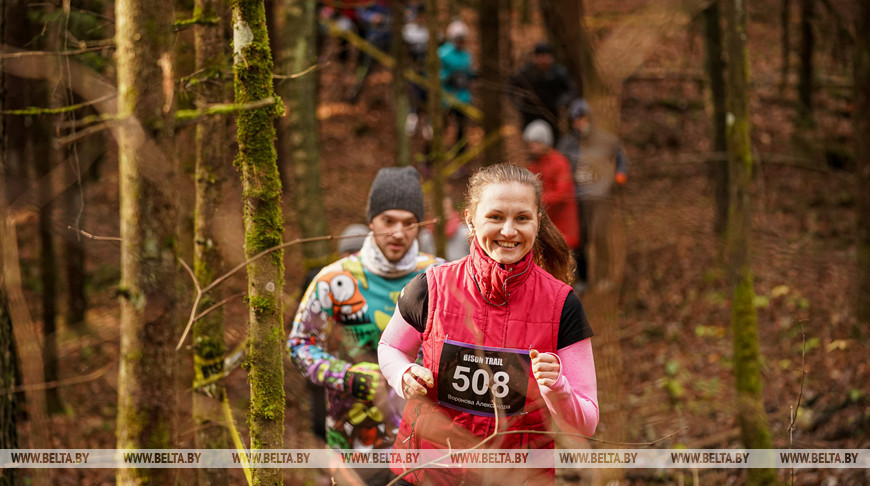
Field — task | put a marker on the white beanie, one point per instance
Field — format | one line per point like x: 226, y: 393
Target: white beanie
x: 456, y: 29
x: 539, y: 131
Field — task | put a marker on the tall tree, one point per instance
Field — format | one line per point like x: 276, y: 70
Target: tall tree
x: 51, y: 155
x: 211, y: 158
x: 436, y: 118
x: 261, y: 199
x: 861, y: 122
x: 299, y: 142
x: 401, y: 97
x: 571, y: 42
x: 785, y: 44
x: 715, y: 65
x: 754, y: 428
x: 149, y: 300
x: 492, y: 72
x: 805, y: 75
x: 8, y: 364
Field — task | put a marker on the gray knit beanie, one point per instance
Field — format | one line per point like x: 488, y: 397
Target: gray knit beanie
x: 352, y: 238
x: 396, y: 188
x: 539, y: 131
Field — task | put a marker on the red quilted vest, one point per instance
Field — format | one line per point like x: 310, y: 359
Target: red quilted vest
x: 479, y: 307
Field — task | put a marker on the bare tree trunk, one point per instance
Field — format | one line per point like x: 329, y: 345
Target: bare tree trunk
x: 400, y: 85
x: 785, y: 23
x: 861, y: 121
x: 8, y: 360
x: 50, y: 156
x: 263, y: 220
x: 571, y: 42
x: 805, y: 79
x: 715, y: 64
x: 299, y: 140
x: 211, y: 159
x: 436, y: 118
x: 149, y: 303
x: 754, y: 428
x: 492, y: 74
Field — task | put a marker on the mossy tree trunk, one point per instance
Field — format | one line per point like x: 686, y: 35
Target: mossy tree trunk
x: 211, y: 159
x: 436, y: 118
x: 861, y: 121
x: 149, y: 300
x: 754, y: 428
x: 715, y: 65
x: 263, y: 220
x: 492, y: 75
x: 805, y: 74
x: 299, y: 142
x: 401, y: 97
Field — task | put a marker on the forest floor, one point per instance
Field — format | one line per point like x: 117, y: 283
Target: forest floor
x: 672, y: 325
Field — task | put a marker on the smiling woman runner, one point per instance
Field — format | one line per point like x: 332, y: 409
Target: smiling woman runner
x: 500, y: 336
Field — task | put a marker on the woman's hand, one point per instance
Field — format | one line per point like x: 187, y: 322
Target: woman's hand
x: 414, y: 379
x: 545, y: 367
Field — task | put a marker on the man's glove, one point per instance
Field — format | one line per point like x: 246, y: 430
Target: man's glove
x: 362, y: 380
x: 620, y: 178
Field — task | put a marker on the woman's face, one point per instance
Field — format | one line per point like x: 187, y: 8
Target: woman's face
x: 506, y: 221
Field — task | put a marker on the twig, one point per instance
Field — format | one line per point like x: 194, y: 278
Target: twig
x: 12, y: 55
x: 37, y: 110
x: 219, y: 304
x: 310, y: 69
x: 57, y: 383
x: 201, y: 291
x: 93, y: 237
x: 534, y: 432
x: 794, y: 408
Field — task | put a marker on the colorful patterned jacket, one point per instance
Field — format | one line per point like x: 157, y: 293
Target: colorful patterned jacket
x: 334, y: 343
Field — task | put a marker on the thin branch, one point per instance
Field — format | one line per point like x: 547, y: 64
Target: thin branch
x: 218, y: 305
x: 310, y: 69
x: 192, y: 275
x: 36, y: 110
x: 534, y: 432
x: 93, y: 237
x: 186, y: 116
x: 256, y: 257
x: 58, y: 383
x: 796, y: 407
x: 13, y: 55
x: 83, y: 133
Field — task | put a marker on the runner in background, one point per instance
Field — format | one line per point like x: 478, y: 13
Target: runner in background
x: 597, y: 161
x: 500, y: 330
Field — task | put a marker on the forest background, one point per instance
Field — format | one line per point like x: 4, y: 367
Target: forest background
x: 664, y: 332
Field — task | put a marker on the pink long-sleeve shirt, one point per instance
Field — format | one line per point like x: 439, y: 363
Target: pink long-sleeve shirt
x: 572, y: 399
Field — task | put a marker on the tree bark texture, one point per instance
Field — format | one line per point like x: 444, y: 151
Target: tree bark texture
x: 805, y: 79
x: 571, y: 42
x: 299, y: 140
x: 492, y: 74
x: 149, y: 303
x: 401, y: 96
x: 8, y: 361
x: 263, y: 220
x: 715, y: 64
x: 211, y: 160
x: 751, y: 416
x: 861, y: 120
x: 436, y: 118
x: 785, y: 44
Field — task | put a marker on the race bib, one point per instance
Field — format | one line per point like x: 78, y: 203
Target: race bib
x: 480, y: 379
x: 584, y: 175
